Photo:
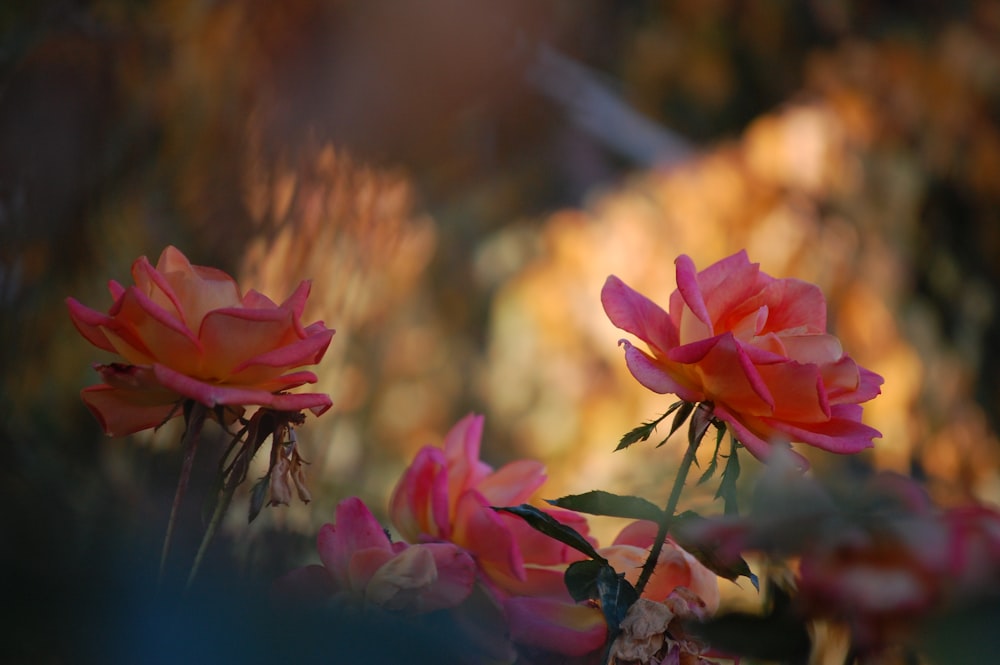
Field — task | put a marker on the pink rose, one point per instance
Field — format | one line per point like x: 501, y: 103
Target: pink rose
x: 186, y: 332
x: 754, y: 346
x: 361, y: 565
x: 447, y: 494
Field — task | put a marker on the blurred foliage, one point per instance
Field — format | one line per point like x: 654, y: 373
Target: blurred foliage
x: 458, y: 225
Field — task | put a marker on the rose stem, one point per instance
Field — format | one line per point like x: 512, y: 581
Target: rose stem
x: 221, y: 506
x: 668, y: 514
x: 195, y: 420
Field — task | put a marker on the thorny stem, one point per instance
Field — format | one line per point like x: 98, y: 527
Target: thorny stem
x: 195, y: 413
x: 668, y: 513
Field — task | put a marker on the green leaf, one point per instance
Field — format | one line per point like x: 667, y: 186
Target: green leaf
x: 598, y: 502
x: 709, y: 554
x: 581, y: 579
x: 645, y: 430
x: 683, y: 411
x: 550, y: 526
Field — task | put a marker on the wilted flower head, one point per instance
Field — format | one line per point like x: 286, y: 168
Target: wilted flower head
x: 753, y: 346
x: 186, y: 332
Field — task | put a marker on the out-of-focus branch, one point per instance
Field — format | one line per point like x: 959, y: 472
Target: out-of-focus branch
x: 600, y: 111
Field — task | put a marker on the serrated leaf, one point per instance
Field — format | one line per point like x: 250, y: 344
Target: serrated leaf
x: 581, y: 579
x: 645, y: 430
x: 258, y: 494
x: 684, y: 410
x: 550, y: 526
x: 599, y: 502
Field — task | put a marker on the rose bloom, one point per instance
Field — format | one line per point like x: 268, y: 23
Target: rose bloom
x: 446, y: 495
x: 754, y: 346
x: 186, y: 332
x: 362, y: 567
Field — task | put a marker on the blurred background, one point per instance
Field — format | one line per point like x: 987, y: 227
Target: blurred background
x: 458, y: 178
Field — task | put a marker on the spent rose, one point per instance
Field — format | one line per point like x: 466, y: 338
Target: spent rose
x: 756, y: 348
x: 186, y: 332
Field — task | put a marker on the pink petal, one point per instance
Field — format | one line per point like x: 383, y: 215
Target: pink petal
x: 355, y: 529
x: 211, y: 394
x: 482, y: 531
x: 419, y: 503
x: 461, y: 448
x: 797, y: 391
x: 687, y: 285
x: 308, y: 351
x: 759, y: 445
x: 818, y: 349
x: 232, y: 337
x: 794, y: 304
x: 167, y: 339
x: 728, y: 375
x: 424, y: 578
x: 843, y: 433
x: 257, y: 300
x: 89, y: 322
x: 152, y: 284
x: 198, y: 289
x: 296, y: 303
x: 651, y: 373
x: 513, y: 483
x: 635, y: 313
x: 121, y: 412
x: 555, y: 626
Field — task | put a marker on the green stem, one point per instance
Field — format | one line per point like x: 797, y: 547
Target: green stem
x: 221, y: 506
x: 192, y: 431
x: 668, y: 514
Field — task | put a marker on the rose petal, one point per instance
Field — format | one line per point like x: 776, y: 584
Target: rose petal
x: 122, y: 412
x: 635, y: 313
x: 481, y: 531
x: 559, y: 627
x: 212, y: 395
x: 354, y: 529
x: 513, y: 483
x: 199, y: 288
x: 651, y: 373
x: 419, y: 503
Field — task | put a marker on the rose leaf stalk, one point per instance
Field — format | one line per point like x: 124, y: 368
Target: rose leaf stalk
x: 700, y: 421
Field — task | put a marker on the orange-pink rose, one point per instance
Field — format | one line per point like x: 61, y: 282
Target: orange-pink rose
x: 446, y: 495
x: 754, y: 346
x: 186, y: 332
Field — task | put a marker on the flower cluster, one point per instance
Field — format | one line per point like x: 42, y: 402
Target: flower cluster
x: 445, y: 500
x: 878, y: 556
